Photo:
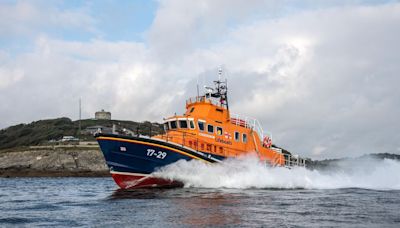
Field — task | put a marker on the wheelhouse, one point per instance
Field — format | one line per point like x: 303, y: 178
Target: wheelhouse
x: 207, y: 126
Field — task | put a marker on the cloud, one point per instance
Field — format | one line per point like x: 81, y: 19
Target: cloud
x: 10, y: 76
x: 180, y: 26
x: 323, y: 80
x: 57, y: 73
x: 24, y: 18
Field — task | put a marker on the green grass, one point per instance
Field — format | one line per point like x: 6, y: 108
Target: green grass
x: 42, y: 131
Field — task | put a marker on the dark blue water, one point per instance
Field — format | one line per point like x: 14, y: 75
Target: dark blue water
x: 96, y: 202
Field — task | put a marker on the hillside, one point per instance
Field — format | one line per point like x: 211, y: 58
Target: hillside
x: 335, y: 163
x: 42, y: 131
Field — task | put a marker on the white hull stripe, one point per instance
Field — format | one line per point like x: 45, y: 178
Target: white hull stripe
x: 130, y: 174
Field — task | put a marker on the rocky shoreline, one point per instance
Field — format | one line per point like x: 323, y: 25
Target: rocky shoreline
x: 53, y: 161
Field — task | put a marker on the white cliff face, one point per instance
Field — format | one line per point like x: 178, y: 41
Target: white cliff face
x: 53, y: 162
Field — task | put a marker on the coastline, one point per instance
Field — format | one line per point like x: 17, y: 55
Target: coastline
x: 53, y: 161
x: 86, y: 160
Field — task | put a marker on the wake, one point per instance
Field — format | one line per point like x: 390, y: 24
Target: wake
x: 248, y: 172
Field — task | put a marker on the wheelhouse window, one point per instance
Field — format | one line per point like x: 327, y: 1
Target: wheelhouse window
x: 219, y: 131
x: 201, y: 125
x: 166, y: 126
x: 244, y: 138
x: 173, y: 124
x: 183, y: 124
x: 191, y: 124
x: 237, y: 136
x: 210, y: 128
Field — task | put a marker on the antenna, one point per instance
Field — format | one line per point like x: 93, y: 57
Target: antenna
x: 198, y: 93
x: 204, y: 81
x: 219, y: 73
x: 80, y: 115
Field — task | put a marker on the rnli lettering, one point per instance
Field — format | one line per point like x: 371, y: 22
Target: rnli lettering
x: 206, y: 135
x: 223, y: 141
x: 160, y: 155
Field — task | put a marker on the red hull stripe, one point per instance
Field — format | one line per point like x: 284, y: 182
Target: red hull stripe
x: 151, y: 144
x: 138, y: 180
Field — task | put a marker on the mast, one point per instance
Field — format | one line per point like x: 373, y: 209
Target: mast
x: 220, y: 91
x: 226, y: 93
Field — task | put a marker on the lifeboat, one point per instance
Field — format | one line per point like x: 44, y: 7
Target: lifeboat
x: 207, y: 132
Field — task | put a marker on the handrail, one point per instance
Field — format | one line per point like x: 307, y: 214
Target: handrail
x: 292, y: 160
x: 250, y: 122
x: 184, y: 137
x: 202, y: 99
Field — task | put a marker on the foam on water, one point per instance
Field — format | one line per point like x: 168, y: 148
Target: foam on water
x: 248, y: 172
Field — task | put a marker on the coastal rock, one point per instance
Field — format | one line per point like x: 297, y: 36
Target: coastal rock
x: 69, y: 161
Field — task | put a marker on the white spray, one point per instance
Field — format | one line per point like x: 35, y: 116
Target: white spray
x: 248, y: 172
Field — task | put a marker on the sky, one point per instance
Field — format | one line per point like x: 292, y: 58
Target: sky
x: 321, y: 76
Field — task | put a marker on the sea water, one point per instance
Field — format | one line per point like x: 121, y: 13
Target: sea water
x: 236, y: 193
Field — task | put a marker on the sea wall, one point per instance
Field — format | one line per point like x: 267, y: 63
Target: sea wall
x: 46, y: 161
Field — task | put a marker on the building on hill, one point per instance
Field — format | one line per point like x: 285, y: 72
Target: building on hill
x: 102, y: 115
x: 69, y: 138
x: 97, y: 129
